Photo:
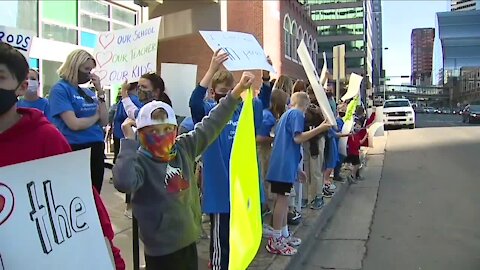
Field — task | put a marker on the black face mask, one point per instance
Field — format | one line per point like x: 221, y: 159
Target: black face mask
x: 341, y: 114
x: 329, y: 94
x: 145, y: 96
x: 219, y: 96
x: 8, y: 98
x: 83, y: 77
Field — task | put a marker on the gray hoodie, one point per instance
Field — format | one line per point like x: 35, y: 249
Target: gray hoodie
x: 165, y: 196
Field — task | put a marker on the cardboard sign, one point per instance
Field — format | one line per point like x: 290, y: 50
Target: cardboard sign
x: 323, y: 75
x: 244, y: 50
x: 245, y: 212
x: 20, y: 39
x: 353, y: 86
x: 48, y: 218
x: 343, y: 141
x: 180, y: 80
x: 127, y: 54
x: 312, y: 75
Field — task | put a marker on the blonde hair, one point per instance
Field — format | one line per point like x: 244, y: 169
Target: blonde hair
x: 285, y: 84
x: 300, y: 99
x: 69, y: 69
x: 222, y: 76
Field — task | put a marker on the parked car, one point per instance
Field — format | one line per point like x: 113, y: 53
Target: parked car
x: 398, y: 112
x: 429, y: 110
x: 471, y: 114
x: 419, y: 110
x: 446, y: 111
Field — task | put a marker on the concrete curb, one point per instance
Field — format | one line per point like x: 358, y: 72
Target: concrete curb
x: 308, y: 229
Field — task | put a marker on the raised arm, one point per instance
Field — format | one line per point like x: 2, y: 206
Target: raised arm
x: 307, y: 135
x: 266, y: 89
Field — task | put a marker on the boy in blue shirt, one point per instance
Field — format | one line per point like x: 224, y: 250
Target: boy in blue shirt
x: 283, y: 172
x: 216, y: 159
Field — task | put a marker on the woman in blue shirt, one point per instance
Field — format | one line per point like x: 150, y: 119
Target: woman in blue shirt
x: 79, y: 113
x: 31, y: 98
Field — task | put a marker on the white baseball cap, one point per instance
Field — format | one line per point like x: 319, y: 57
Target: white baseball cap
x: 144, y: 118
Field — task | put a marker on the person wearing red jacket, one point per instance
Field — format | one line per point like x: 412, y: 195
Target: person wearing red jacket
x: 25, y: 134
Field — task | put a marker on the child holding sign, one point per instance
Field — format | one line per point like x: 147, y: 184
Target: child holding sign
x: 26, y: 133
x: 160, y: 177
x: 283, y: 172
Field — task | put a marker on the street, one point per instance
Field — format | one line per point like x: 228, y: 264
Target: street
x: 421, y: 214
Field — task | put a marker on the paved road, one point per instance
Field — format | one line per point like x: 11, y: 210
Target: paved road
x: 425, y: 214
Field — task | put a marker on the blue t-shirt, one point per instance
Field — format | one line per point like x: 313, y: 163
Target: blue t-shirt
x: 65, y: 97
x: 268, y: 123
x: 331, y: 156
x: 286, y: 153
x: 333, y: 105
x: 40, y: 104
x: 216, y: 159
x: 121, y: 115
x: 187, y: 124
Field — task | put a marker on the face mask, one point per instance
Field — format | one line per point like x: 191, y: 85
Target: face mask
x: 160, y: 147
x: 341, y: 114
x: 356, y: 130
x: 83, y: 77
x: 219, y: 96
x: 33, y: 87
x: 145, y: 96
x: 329, y: 94
x: 8, y: 98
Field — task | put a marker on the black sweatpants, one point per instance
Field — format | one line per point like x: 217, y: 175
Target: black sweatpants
x: 97, y: 159
x: 219, y: 241
x: 183, y: 259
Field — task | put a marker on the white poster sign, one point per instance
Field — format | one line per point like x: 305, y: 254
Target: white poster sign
x: 180, y: 80
x: 342, y: 143
x: 20, y: 39
x: 48, y: 218
x: 323, y: 75
x: 312, y: 75
x: 244, y: 50
x: 128, y: 53
x: 354, y: 84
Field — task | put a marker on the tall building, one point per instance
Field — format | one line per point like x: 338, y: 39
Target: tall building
x: 421, y: 47
x: 62, y: 26
x: 463, y: 5
x: 279, y: 26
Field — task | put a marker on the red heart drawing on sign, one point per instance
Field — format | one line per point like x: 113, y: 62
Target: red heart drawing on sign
x: 101, y: 74
x: 103, y: 58
x: 7, y: 201
x: 106, y: 39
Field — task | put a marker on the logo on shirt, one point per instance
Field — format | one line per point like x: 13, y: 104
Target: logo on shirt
x: 174, y: 181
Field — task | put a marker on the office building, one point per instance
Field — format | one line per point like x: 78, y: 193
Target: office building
x: 279, y: 26
x: 62, y: 26
x: 456, y: 50
x: 421, y: 48
x: 464, y: 5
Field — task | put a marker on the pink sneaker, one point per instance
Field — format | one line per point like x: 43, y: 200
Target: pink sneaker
x: 280, y: 246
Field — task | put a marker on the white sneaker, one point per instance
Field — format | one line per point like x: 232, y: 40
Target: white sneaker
x: 267, y: 231
x: 293, y: 241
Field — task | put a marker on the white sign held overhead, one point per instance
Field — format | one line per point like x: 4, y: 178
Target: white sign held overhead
x: 128, y: 53
x: 244, y: 50
x: 48, y: 217
x: 354, y: 84
x: 312, y: 75
x: 20, y: 39
x: 323, y: 75
x: 180, y: 80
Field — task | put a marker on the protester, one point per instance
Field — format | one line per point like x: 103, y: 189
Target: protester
x: 216, y: 159
x: 342, y: 108
x: 283, y: 172
x: 331, y: 98
x: 299, y: 86
x: 31, y: 99
x: 25, y: 134
x: 159, y: 175
x: 354, y: 142
x: 150, y: 87
x: 80, y: 113
x: 285, y: 84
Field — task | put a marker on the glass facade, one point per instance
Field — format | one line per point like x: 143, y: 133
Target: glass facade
x: 356, y: 45
x: 20, y: 14
x: 342, y: 29
x: 337, y: 14
x: 327, y: 1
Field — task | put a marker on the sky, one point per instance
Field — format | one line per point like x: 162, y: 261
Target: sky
x: 399, y: 18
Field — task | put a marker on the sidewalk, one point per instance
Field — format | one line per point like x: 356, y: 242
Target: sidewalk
x: 313, y: 221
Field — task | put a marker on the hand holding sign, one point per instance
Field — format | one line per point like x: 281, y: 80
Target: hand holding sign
x: 218, y: 59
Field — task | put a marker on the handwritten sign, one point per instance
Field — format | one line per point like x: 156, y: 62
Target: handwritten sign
x: 244, y: 50
x: 20, y: 39
x: 48, y: 218
x: 127, y: 54
x: 180, y: 79
x: 312, y: 75
x: 354, y: 84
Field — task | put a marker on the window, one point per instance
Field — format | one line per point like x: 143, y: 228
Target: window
x: 59, y: 33
x: 123, y: 15
x: 337, y: 14
x: 14, y: 14
x: 93, y: 23
x: 61, y: 11
x: 286, y: 34
x: 103, y: 16
x: 315, y: 54
x: 49, y: 75
x: 88, y: 39
x: 294, y: 41
x: 343, y: 29
x: 355, y: 62
x: 94, y: 7
x: 299, y: 38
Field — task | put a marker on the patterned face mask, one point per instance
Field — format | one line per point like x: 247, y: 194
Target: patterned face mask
x: 160, y: 147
